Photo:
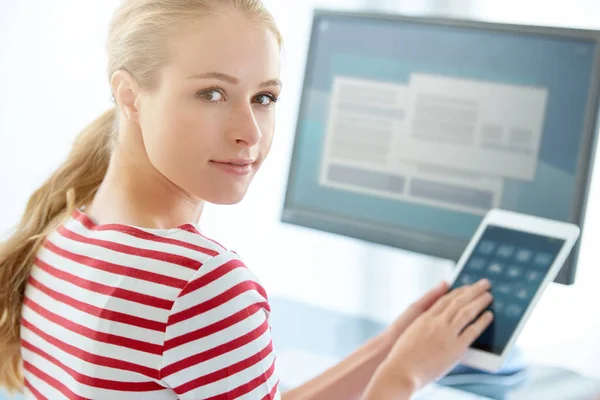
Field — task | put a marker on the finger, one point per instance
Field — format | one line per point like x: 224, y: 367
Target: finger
x: 475, y: 330
x: 431, y: 297
x: 418, y: 308
x: 441, y: 306
x: 465, y: 298
x: 470, y: 311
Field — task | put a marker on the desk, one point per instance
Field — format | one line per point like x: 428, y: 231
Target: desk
x: 309, y: 339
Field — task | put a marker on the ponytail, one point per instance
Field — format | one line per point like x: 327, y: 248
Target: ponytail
x: 74, y: 184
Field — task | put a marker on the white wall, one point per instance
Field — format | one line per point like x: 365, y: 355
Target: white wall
x: 52, y: 82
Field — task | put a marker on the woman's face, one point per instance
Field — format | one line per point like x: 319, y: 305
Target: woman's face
x: 208, y: 125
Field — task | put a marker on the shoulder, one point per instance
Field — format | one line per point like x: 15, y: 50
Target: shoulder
x: 185, y: 245
x: 197, y: 270
x: 222, y: 285
x: 218, y: 333
x: 166, y: 264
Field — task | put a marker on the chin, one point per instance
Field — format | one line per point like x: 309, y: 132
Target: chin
x: 228, y: 202
x: 230, y: 198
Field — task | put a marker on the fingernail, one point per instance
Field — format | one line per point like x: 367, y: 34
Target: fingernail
x: 484, y: 282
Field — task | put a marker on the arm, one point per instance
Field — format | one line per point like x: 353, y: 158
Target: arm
x: 383, y: 387
x: 217, y: 340
x: 348, y: 379
x: 428, y: 339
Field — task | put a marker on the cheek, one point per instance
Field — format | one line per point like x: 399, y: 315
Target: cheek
x: 267, y: 129
x: 175, y: 135
x: 166, y: 131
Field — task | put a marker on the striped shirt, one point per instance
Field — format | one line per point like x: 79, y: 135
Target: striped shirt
x: 118, y: 312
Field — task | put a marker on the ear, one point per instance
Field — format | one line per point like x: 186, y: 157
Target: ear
x: 125, y: 92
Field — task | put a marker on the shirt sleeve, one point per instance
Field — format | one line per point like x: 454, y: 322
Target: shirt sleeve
x: 218, y: 340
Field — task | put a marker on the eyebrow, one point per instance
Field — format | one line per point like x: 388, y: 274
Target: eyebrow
x: 231, y: 79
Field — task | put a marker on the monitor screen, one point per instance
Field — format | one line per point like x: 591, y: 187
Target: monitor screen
x: 411, y: 129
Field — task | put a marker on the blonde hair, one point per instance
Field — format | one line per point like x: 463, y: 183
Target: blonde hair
x: 137, y: 43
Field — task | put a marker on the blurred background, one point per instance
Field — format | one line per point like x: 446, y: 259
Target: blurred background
x: 53, y: 82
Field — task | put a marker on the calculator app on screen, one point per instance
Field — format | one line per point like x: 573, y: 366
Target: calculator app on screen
x: 516, y: 263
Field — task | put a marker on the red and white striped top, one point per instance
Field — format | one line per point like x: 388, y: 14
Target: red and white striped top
x: 117, y: 312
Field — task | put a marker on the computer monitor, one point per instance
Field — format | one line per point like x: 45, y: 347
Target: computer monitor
x: 411, y: 129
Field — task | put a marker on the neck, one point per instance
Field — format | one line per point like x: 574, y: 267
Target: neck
x: 134, y: 193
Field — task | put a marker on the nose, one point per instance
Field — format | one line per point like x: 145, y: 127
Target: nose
x: 244, y: 129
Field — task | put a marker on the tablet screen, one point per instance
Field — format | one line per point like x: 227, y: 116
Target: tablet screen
x: 516, y: 263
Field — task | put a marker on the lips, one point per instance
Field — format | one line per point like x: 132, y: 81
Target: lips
x: 237, y: 167
x: 240, y: 162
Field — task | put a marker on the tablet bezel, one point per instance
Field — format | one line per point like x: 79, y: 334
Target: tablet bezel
x: 492, y: 362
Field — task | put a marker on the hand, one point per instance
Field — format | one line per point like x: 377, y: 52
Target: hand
x: 435, y: 341
x: 397, y: 328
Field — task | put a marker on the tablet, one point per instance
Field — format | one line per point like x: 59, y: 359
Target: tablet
x: 520, y: 255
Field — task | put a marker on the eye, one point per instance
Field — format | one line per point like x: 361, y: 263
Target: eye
x: 211, y: 95
x: 266, y: 99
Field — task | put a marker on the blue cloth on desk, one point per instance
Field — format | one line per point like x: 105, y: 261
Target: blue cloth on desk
x: 515, y: 362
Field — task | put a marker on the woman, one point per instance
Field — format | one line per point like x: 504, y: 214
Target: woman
x: 109, y: 289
